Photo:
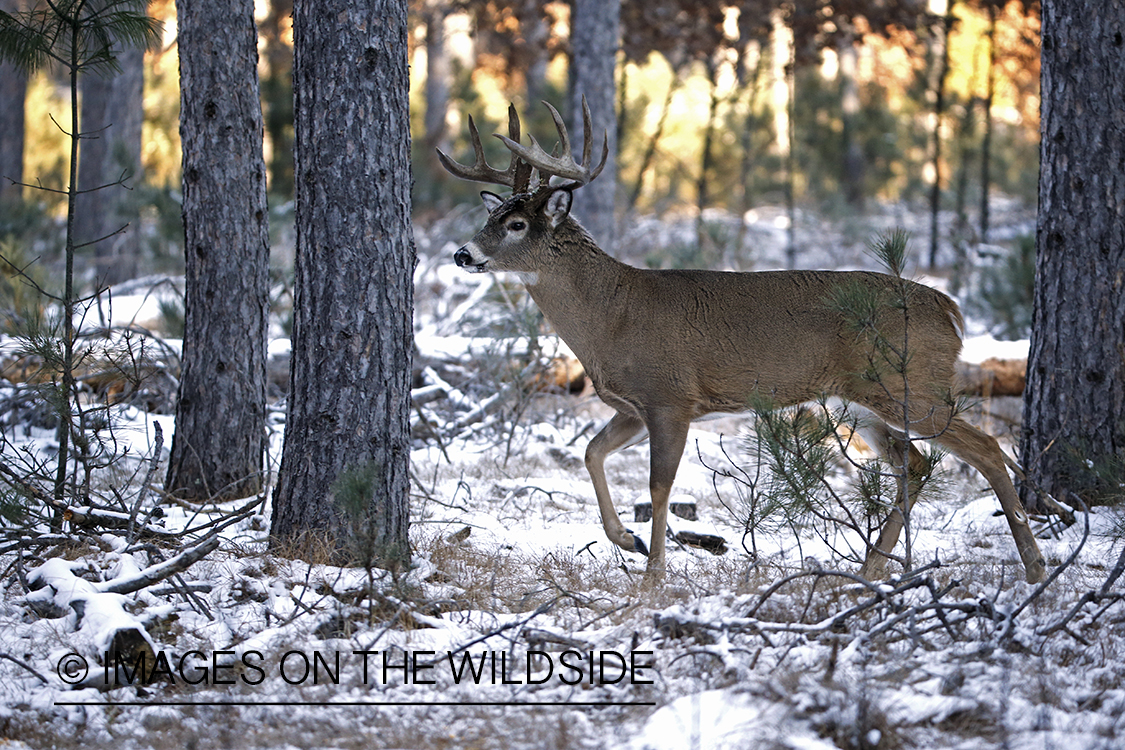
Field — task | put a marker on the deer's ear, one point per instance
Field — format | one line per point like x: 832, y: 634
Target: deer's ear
x: 557, y: 206
x: 492, y: 201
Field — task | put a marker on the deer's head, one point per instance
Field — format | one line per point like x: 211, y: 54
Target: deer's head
x: 521, y: 231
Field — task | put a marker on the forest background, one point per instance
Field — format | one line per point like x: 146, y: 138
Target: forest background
x: 751, y: 135
x: 812, y: 107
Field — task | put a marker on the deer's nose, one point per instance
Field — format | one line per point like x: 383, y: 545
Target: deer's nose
x: 463, y: 258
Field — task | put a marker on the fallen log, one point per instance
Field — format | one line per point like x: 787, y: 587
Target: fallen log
x: 993, y: 377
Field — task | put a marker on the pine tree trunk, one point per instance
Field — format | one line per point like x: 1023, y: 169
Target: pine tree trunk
x: 1074, y: 404
x: 437, y: 80
x: 744, y: 190
x: 986, y: 139
x: 218, y: 447
x: 13, y: 92
x: 702, y: 184
x: 653, y: 142
x: 594, y: 40
x: 349, y: 400
x: 112, y: 115
x: 783, y: 83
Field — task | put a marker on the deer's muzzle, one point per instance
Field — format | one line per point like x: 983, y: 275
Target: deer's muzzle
x: 464, y: 259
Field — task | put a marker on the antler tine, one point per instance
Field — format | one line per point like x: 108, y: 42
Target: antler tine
x: 560, y: 126
x: 516, y: 176
x: 513, y: 123
x: 564, y: 165
x: 520, y: 169
x: 587, y: 132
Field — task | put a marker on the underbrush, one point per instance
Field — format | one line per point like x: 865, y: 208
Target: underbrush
x: 781, y: 651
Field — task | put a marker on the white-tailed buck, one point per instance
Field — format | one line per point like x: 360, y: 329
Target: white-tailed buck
x: 664, y: 348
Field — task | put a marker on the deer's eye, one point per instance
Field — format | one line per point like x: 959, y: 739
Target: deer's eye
x: 517, y: 226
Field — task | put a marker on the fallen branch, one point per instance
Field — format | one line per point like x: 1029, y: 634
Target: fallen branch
x: 154, y: 462
x: 1090, y: 597
x: 14, y: 660
x: 716, y: 545
x: 160, y: 571
x: 82, y: 515
x: 672, y: 624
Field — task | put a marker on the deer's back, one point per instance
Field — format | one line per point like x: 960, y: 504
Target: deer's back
x: 719, y: 338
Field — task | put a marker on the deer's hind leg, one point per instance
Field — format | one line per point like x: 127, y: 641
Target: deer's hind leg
x: 982, y: 452
x: 621, y: 431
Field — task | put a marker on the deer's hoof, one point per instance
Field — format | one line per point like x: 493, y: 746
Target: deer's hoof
x: 638, y: 545
x: 1035, y: 570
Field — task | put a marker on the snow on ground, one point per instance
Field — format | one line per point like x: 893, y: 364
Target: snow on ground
x: 520, y: 626
x: 976, y: 349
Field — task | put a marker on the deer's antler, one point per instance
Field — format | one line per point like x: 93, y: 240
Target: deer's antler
x: 518, y: 174
x: 562, y: 166
x: 529, y: 161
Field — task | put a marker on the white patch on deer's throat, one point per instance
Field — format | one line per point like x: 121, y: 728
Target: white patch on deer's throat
x: 528, y: 278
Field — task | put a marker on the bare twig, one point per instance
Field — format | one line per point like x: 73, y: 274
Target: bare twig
x: 160, y: 571
x: 1009, y: 627
x: 80, y: 515
x: 154, y: 461
x: 23, y: 664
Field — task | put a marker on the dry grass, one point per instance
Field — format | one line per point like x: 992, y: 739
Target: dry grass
x: 614, y: 590
x: 314, y: 547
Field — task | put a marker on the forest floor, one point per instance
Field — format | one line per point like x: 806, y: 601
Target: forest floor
x: 518, y: 625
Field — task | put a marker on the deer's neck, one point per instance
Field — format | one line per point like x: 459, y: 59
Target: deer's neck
x: 580, y: 293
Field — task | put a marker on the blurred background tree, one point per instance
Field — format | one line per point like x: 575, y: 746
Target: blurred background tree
x: 833, y: 108
x: 13, y: 91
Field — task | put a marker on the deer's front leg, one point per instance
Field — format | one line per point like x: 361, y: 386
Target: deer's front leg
x: 891, y: 446
x: 667, y: 437
x: 623, y: 429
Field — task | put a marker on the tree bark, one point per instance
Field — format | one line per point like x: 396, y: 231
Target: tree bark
x: 594, y: 40
x: 783, y: 83
x: 743, y: 190
x: 218, y: 447
x: 702, y: 185
x: 535, y: 32
x: 13, y: 92
x: 349, y: 400
x: 654, y: 141
x: 112, y: 119
x: 1074, y: 404
x: 437, y: 78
